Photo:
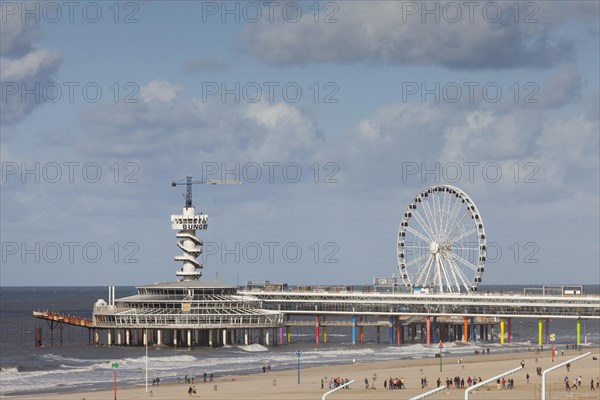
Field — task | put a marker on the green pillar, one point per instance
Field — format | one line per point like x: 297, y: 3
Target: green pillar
x: 578, y: 332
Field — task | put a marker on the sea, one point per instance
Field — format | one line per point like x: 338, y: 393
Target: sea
x: 77, y: 366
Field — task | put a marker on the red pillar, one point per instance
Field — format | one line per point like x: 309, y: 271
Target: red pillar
x: 466, y: 329
x: 508, y: 321
x: 428, y: 332
x: 360, y: 331
x: 398, y: 332
x: 317, y: 320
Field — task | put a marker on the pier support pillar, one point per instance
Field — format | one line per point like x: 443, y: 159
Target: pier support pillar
x: 96, y: 337
x: 128, y: 337
x: 378, y: 335
x: 501, y: 330
x: 317, y: 333
x: 224, y: 337
x: 109, y: 337
x: 288, y: 333
x: 472, y: 330
x: 539, y: 332
x: 210, y: 338
x: 508, y: 330
x: 360, y: 331
x: 465, y: 329
x: 246, y: 337
x: 353, y: 329
x: 189, y: 338
x: 267, y: 338
x: 119, y: 338
x: 428, y: 331
x: 398, y: 331
x: 578, y: 330
x: 159, y: 337
x: 391, y: 330
x: 324, y: 334
x: 434, y: 328
x: 145, y: 338
x: 281, y: 335
x: 547, y: 331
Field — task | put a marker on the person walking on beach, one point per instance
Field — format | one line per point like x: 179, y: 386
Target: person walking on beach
x: 592, y: 385
x: 527, y: 376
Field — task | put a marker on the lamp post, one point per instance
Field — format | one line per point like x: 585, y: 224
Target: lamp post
x: 441, y: 347
x: 552, y: 339
x: 298, y: 355
x: 115, y: 365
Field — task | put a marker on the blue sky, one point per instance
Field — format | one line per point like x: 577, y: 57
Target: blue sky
x: 384, y: 88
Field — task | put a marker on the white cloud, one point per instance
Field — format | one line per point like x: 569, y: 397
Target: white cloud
x: 157, y: 90
x: 387, y: 33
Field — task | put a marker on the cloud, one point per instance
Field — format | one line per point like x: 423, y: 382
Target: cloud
x: 561, y: 88
x: 23, y: 68
x: 385, y: 33
x: 158, y: 90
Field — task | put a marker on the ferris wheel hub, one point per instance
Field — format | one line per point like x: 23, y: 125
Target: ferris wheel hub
x: 434, y: 247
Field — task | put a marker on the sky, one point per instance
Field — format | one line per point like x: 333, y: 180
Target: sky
x: 333, y: 114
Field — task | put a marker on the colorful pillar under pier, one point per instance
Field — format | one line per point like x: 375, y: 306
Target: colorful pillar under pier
x: 281, y: 335
x: 465, y: 329
x: 398, y: 331
x: 472, y: 330
x: 501, y: 330
x: 434, y: 328
x: 391, y: 330
x: 360, y: 331
x: 508, y: 329
x: 547, y: 331
x: 317, y: 320
x: 428, y: 331
x: 540, y: 332
x: 578, y: 332
x: 353, y: 329
x: 324, y: 334
x: 288, y: 333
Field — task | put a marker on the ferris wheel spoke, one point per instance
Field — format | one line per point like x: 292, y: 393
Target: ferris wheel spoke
x: 464, y: 235
x: 431, y: 218
x: 416, y: 260
x: 424, y: 224
x: 446, y: 208
x: 463, y: 261
x: 452, y: 217
x: 442, y: 274
x: 461, y: 275
x: 422, y: 277
x: 458, y: 223
x: 417, y: 233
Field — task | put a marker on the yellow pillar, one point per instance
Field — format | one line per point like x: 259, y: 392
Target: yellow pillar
x: 502, y: 331
x: 324, y: 334
x: 540, y: 332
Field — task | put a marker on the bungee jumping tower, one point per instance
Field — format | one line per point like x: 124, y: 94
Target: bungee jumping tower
x: 188, y: 312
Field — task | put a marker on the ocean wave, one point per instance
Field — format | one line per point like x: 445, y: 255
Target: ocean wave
x: 11, y: 369
x: 252, y: 348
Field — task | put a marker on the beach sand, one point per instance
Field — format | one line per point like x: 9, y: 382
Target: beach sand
x: 284, y: 384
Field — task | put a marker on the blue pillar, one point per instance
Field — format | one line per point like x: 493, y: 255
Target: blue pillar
x: 354, y: 329
x: 435, y: 334
x: 472, y: 330
x: 391, y: 330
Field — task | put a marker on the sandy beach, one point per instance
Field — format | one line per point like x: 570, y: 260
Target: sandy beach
x: 284, y: 384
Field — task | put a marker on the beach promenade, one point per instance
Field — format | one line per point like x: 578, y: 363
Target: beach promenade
x: 284, y: 385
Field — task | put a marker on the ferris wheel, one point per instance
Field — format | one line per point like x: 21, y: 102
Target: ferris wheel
x: 441, y: 241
